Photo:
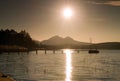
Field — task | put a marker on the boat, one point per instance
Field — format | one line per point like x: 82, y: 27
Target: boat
x: 92, y: 51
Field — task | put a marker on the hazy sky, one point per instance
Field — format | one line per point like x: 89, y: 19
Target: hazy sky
x: 98, y: 19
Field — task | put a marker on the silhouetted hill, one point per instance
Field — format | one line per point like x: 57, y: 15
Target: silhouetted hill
x: 68, y: 42
x: 107, y: 45
x: 59, y: 41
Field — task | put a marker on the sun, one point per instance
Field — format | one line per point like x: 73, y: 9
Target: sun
x: 67, y: 12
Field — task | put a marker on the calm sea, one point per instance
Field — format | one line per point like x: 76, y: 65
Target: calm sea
x: 69, y: 66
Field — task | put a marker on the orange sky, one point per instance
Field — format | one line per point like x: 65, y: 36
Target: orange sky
x: 43, y: 19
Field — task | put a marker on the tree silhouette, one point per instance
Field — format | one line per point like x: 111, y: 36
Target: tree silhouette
x: 11, y: 37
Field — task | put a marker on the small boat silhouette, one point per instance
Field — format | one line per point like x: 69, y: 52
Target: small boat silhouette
x: 92, y: 51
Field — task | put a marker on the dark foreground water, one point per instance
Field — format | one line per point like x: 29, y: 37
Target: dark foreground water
x: 104, y: 66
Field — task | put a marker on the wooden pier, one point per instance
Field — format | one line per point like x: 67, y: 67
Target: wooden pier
x: 54, y: 51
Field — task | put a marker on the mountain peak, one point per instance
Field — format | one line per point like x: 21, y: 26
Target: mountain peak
x: 56, y: 37
x: 57, y: 40
x: 68, y: 38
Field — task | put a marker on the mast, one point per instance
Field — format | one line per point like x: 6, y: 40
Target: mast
x: 90, y: 40
x: 90, y: 43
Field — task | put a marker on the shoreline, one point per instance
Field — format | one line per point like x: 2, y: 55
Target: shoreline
x: 5, y: 78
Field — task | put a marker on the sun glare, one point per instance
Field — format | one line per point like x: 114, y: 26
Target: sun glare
x: 67, y: 12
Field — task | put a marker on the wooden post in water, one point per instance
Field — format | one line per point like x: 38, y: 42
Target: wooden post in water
x: 62, y: 51
x: 53, y: 51
x: 18, y: 52
x: 36, y: 51
x: 45, y: 51
x: 27, y: 51
x: 8, y: 52
x: 78, y: 51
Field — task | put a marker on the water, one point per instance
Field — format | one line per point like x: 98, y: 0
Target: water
x: 70, y: 66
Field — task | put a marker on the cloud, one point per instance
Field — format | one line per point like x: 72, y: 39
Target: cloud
x: 105, y: 2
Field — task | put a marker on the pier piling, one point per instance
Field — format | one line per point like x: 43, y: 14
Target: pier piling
x: 36, y: 51
x: 45, y: 51
x: 53, y: 51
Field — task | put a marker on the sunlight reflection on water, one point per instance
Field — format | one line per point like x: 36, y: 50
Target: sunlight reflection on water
x: 68, y: 64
